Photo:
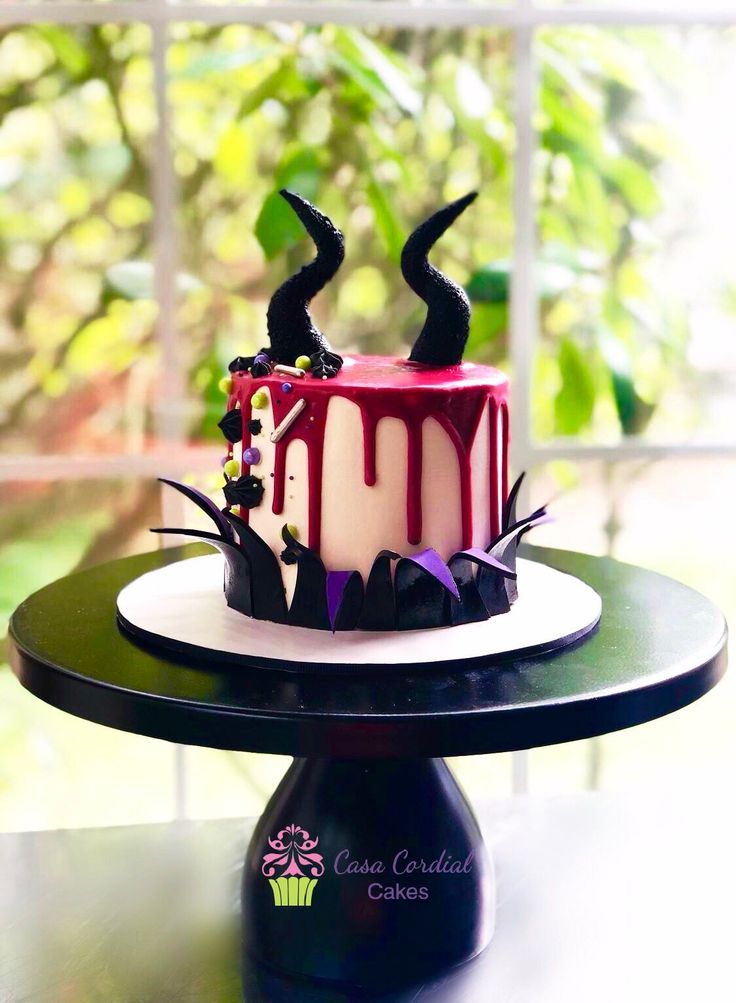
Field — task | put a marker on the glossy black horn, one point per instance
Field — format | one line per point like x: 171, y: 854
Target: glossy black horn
x: 441, y: 341
x: 290, y: 328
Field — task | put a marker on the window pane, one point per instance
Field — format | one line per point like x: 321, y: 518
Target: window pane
x: 76, y: 303
x: 46, y: 531
x: 379, y: 128
x: 636, y: 222
x: 645, y: 513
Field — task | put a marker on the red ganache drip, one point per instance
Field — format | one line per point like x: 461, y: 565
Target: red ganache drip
x: 383, y: 387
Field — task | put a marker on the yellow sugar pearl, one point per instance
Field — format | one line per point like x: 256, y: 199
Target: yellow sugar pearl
x: 259, y: 399
x: 225, y: 385
x: 235, y: 510
x: 232, y: 468
x: 293, y: 530
x: 303, y: 362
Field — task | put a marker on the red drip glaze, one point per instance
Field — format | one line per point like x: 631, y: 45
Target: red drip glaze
x: 456, y: 396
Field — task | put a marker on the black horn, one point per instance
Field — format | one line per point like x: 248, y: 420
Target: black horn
x: 290, y: 328
x: 441, y: 341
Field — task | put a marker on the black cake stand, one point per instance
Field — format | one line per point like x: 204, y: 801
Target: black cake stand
x: 367, y: 867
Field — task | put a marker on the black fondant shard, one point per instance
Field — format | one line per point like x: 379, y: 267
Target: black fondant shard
x: 499, y: 590
x: 238, y: 579
x: 308, y: 606
x: 255, y: 427
x: 509, y: 506
x: 290, y: 327
x: 269, y: 598
x: 471, y: 606
x: 445, y: 332
x: 379, y: 604
x: 422, y: 601
x: 204, y: 503
x: 232, y: 425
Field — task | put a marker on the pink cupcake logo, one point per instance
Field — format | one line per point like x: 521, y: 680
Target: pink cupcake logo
x: 292, y: 867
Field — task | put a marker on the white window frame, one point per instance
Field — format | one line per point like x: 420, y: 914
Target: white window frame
x: 522, y: 18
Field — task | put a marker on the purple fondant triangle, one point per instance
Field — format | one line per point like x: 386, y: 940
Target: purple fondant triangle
x: 431, y: 562
x: 344, y: 592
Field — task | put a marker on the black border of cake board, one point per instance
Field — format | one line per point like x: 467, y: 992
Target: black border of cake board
x: 199, y: 657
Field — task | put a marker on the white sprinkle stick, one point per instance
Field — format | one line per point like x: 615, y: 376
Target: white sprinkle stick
x: 283, y: 427
x: 289, y: 371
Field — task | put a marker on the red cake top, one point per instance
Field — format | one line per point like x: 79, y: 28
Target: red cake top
x: 382, y: 387
x: 387, y: 373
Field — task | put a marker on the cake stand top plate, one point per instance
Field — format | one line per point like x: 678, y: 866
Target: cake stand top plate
x: 659, y: 646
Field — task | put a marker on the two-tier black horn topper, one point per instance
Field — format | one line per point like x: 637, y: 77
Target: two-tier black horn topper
x: 290, y: 328
x: 442, y: 340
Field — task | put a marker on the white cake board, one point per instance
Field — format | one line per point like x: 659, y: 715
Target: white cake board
x: 182, y: 608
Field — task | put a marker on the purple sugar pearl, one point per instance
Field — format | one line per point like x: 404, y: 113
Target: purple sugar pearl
x: 251, y: 456
x: 286, y: 387
x: 261, y: 358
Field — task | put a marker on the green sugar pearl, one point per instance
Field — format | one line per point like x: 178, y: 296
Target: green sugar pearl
x: 231, y: 468
x: 303, y: 362
x: 259, y: 399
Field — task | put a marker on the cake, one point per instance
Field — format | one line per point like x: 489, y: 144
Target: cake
x: 366, y: 492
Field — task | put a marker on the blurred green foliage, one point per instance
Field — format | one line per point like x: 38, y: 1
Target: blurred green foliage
x: 378, y: 127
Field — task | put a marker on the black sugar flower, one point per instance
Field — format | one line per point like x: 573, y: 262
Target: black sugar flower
x: 245, y: 491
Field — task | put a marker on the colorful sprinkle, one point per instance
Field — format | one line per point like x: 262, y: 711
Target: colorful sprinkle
x: 298, y: 374
x: 251, y: 456
x: 231, y: 468
x: 259, y: 400
x: 225, y: 385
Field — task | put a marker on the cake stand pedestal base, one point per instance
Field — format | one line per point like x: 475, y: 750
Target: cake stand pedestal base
x: 404, y: 886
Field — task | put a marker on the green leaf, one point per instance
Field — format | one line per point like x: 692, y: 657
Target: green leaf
x: 576, y: 398
x: 300, y: 171
x: 635, y: 184
x: 387, y: 221
x: 370, y: 65
x: 277, y: 227
x: 67, y: 49
x: 488, y: 322
x: 283, y: 78
x: 220, y: 61
x: 234, y: 154
x: 633, y: 411
x: 134, y: 280
x: 490, y: 283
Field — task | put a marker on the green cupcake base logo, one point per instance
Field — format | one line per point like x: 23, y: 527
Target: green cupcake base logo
x: 293, y: 866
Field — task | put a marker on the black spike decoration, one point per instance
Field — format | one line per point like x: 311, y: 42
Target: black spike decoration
x: 441, y: 341
x: 290, y: 327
